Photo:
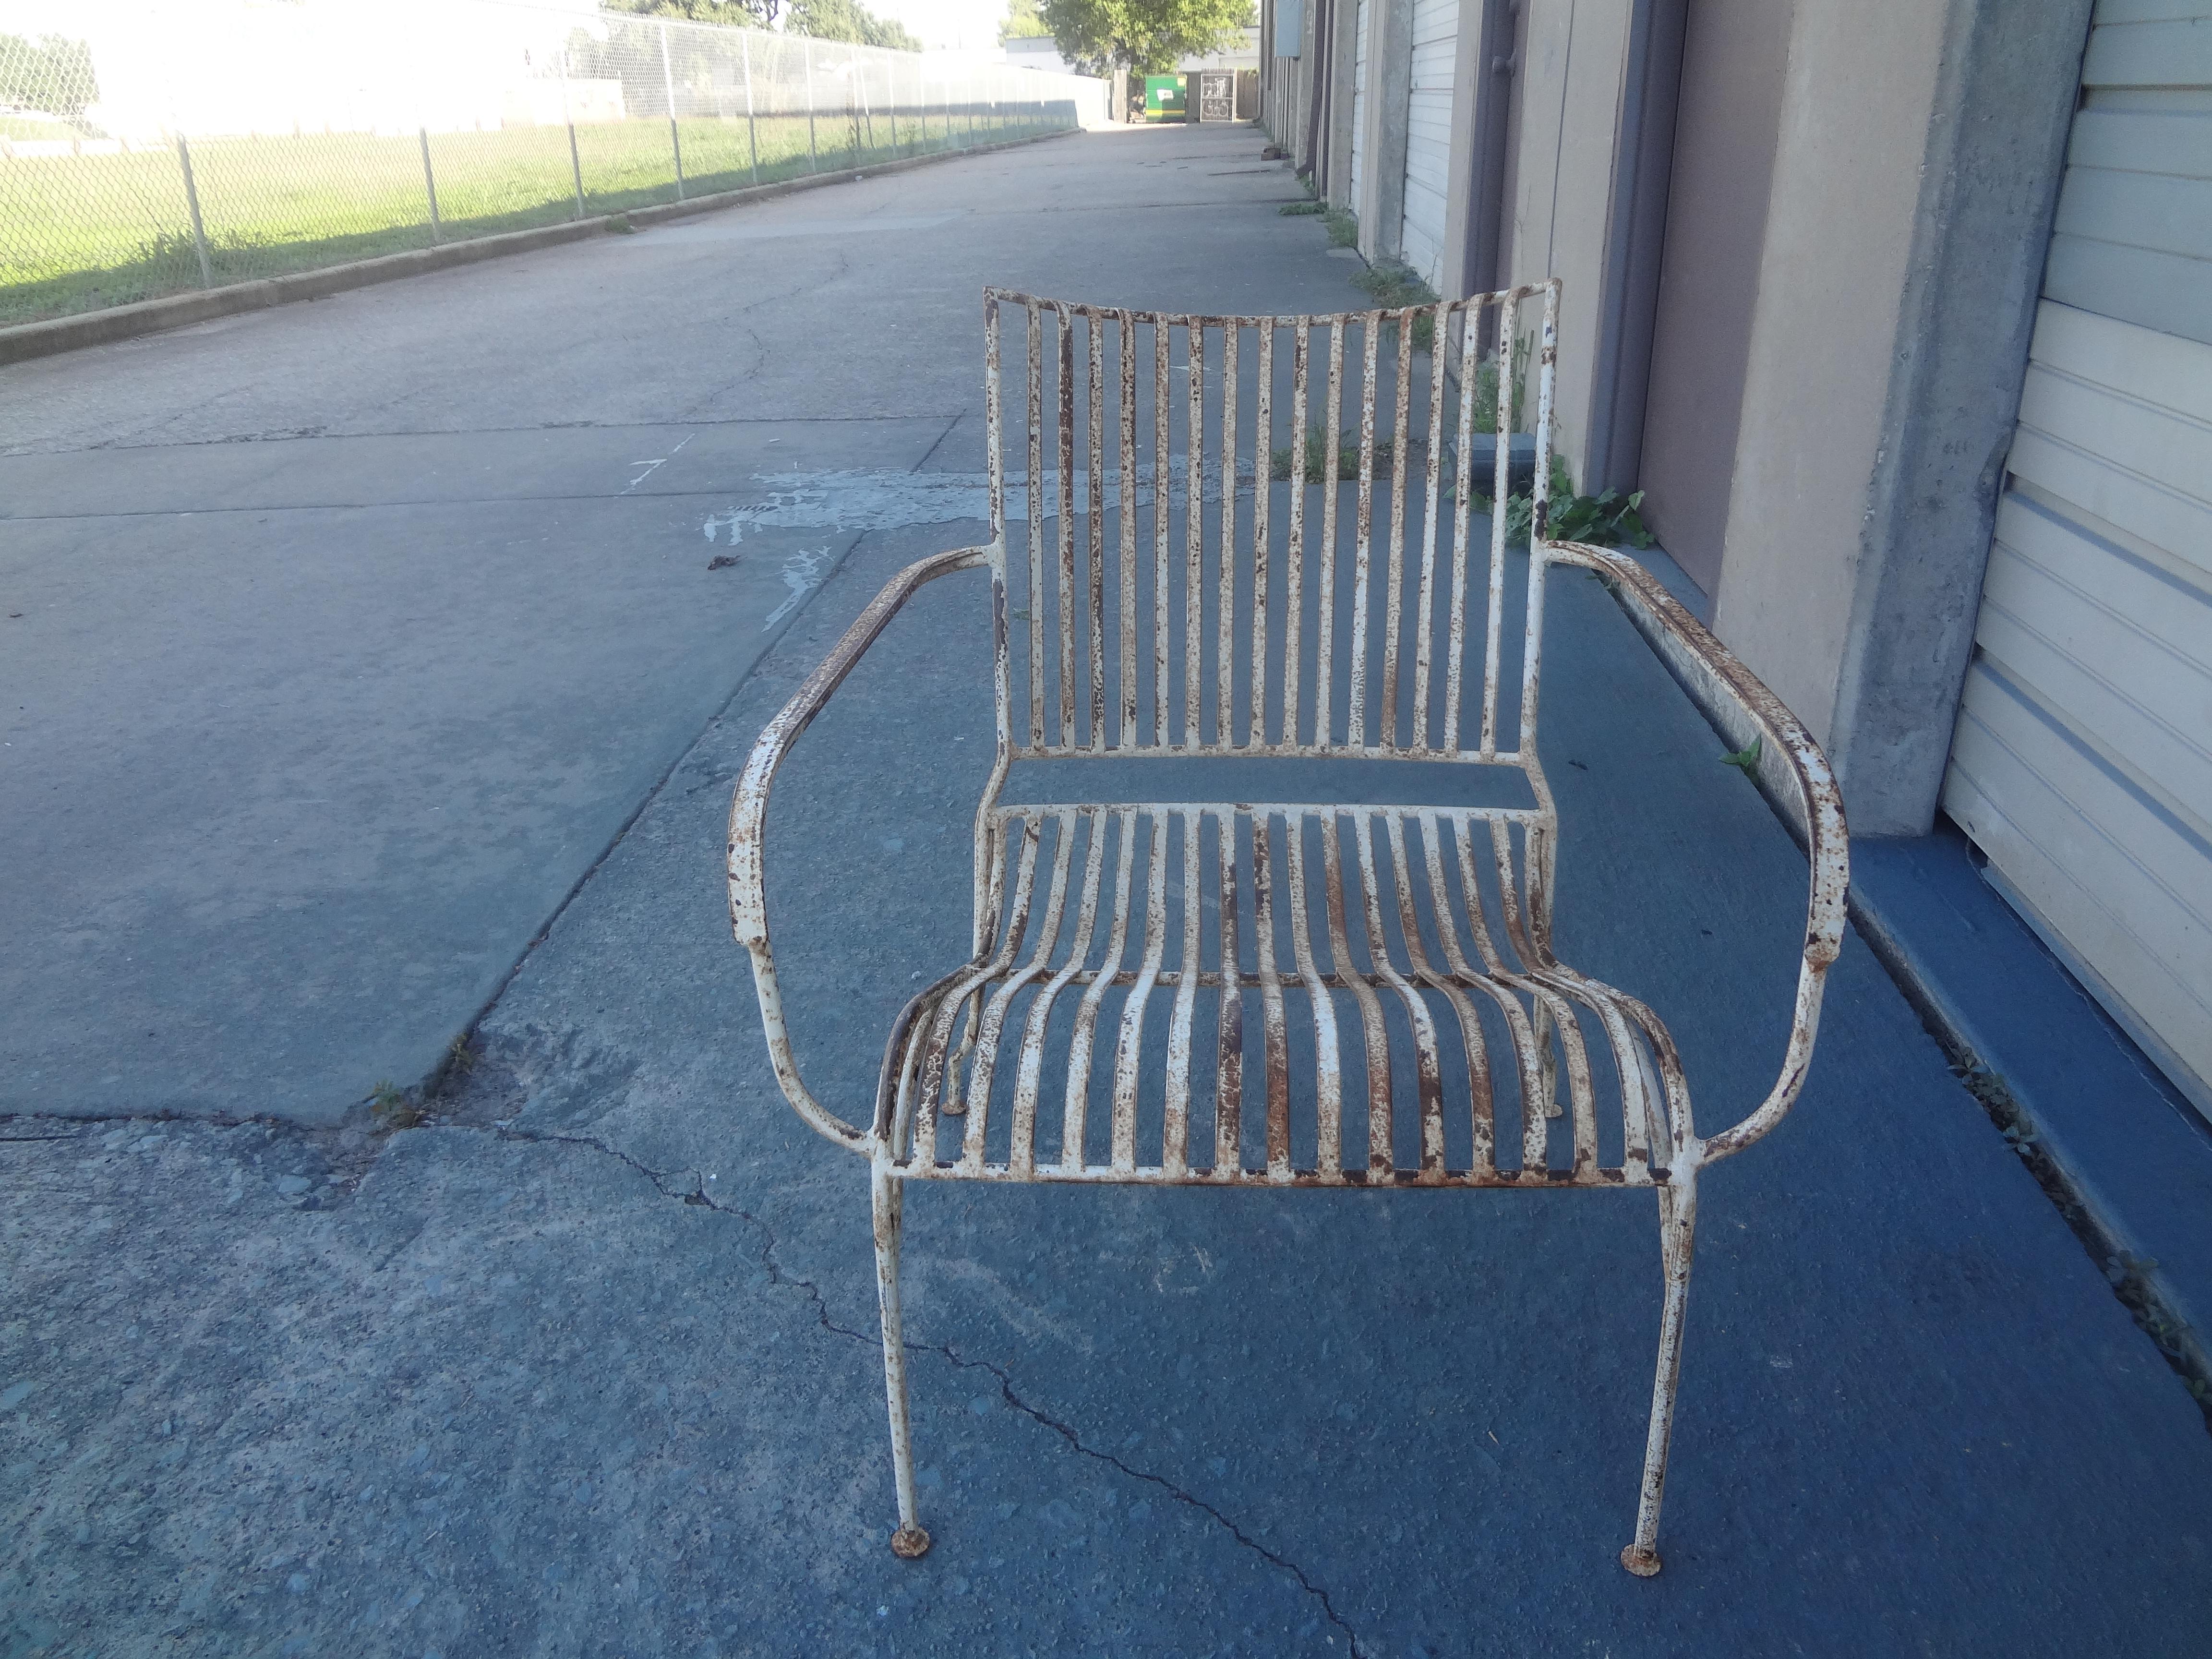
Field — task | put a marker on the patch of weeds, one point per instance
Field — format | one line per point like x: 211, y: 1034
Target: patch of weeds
x: 1300, y: 209
x: 619, y: 225
x: 1342, y: 225
x: 393, y: 1108
x: 1395, y: 286
x: 1746, y: 759
x: 1485, y: 387
x: 1281, y: 462
x: 1606, y: 520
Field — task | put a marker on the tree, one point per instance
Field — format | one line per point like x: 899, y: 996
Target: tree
x: 848, y: 20
x: 1022, y: 22
x: 729, y: 14
x: 825, y: 20
x: 53, y: 75
x: 1148, y: 37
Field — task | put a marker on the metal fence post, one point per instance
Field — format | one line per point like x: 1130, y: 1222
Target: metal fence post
x: 867, y: 117
x: 568, y: 120
x: 192, y: 201
x: 430, y: 187
x: 806, y: 56
x: 752, y: 133
x: 668, y: 86
x: 891, y: 103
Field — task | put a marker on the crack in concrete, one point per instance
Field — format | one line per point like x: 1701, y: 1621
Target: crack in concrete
x: 778, y: 1277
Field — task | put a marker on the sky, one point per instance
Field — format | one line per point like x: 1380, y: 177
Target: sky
x: 969, y: 24
x: 972, y: 25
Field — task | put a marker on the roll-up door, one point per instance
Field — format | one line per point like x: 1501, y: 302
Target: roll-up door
x: 1428, y: 136
x: 2082, y: 761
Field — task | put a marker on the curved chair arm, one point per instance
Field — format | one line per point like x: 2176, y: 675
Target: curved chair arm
x: 749, y: 822
x: 1788, y: 754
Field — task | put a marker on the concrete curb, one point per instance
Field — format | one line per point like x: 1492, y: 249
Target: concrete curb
x: 2077, y: 1175
x: 26, y: 341
x: 2092, y: 1208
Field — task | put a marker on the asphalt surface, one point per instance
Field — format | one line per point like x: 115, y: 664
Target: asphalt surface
x: 342, y: 639
x: 586, y: 1363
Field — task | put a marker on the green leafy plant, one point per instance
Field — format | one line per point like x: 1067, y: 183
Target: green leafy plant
x: 1301, y: 209
x: 1283, y: 462
x: 1343, y: 226
x: 1746, y: 759
x: 1486, y: 388
x: 1395, y: 285
x: 1607, y: 520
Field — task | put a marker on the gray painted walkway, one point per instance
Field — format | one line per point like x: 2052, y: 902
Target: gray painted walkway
x: 589, y: 1368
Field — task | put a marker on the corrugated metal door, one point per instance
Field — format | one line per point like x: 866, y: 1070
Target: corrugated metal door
x: 1358, y: 100
x: 2083, y: 761
x: 1428, y: 136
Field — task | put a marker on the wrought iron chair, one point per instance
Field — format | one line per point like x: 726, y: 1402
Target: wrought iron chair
x: 1408, y: 946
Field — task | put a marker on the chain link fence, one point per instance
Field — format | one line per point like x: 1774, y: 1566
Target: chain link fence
x: 146, y: 151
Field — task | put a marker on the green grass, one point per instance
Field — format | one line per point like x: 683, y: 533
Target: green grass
x: 35, y: 126
x: 80, y: 232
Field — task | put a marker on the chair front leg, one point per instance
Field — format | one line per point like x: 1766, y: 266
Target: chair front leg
x: 1678, y: 1220
x: 910, y: 1542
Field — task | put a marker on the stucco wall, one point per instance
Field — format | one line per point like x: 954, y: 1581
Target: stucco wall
x: 1573, y: 56
x: 1856, y: 98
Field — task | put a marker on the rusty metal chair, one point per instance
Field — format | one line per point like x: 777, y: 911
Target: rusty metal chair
x: 1409, y: 945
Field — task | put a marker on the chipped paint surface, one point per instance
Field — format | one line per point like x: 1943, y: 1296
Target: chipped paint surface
x: 1441, y: 1041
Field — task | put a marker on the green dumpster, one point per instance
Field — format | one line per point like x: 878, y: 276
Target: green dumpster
x: 1166, y: 98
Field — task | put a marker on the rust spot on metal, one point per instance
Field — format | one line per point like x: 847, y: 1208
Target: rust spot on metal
x: 1430, y: 928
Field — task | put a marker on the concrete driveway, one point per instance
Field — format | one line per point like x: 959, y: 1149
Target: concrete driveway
x: 587, y: 1366
x: 343, y: 640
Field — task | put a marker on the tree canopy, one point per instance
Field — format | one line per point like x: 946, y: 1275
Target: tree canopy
x: 1149, y: 37
x: 825, y: 20
x: 729, y: 14
x: 848, y: 20
x: 1022, y: 22
x: 52, y: 74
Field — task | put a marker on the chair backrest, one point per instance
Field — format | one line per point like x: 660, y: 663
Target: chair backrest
x: 1251, y: 535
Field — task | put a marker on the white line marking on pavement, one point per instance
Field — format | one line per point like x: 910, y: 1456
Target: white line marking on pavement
x: 802, y: 574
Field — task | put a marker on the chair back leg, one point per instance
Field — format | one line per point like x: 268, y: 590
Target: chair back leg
x: 888, y: 1191
x: 1678, y: 1221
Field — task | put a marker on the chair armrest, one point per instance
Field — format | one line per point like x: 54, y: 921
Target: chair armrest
x: 749, y: 822
x: 1791, y: 761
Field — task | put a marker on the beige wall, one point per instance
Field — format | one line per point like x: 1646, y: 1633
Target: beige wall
x: 1857, y: 101
x: 1736, y: 57
x: 1573, y: 58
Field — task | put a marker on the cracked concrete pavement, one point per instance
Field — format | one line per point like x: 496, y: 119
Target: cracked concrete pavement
x: 585, y: 1364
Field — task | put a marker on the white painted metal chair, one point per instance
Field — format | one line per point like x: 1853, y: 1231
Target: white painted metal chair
x: 1284, y: 944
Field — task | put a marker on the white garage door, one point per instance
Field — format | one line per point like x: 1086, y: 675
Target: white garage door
x: 1358, y: 100
x: 2082, y: 762
x: 1428, y: 136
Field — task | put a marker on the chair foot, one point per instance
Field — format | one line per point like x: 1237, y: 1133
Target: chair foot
x: 1638, y: 1559
x: 912, y: 1543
